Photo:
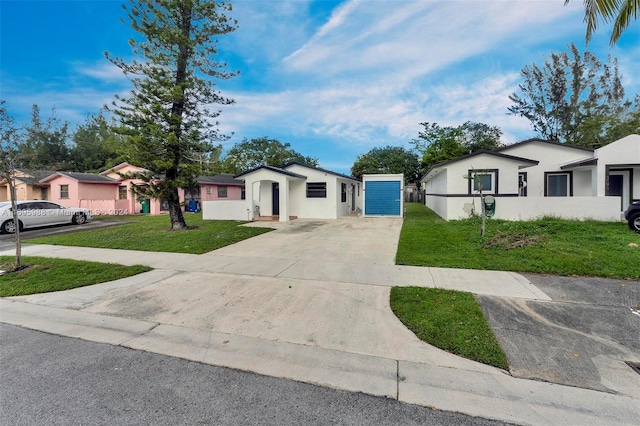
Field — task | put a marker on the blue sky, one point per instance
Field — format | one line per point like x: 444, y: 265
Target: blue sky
x: 333, y: 78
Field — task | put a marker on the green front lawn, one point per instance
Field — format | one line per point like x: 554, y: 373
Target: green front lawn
x: 547, y: 246
x: 450, y: 320
x: 453, y: 320
x: 150, y: 233
x: 42, y: 274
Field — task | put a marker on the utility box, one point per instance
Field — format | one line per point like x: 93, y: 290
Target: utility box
x: 383, y: 195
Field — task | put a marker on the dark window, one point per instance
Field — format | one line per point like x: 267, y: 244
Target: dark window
x: 64, y: 191
x: 558, y: 185
x: 243, y: 194
x: 482, y: 181
x: 316, y: 190
x: 49, y: 206
x: 343, y: 193
x: 122, y: 192
x: 222, y: 192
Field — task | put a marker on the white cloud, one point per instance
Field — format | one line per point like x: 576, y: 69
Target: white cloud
x: 104, y: 71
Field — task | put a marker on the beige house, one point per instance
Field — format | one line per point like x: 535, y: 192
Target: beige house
x: 28, y: 186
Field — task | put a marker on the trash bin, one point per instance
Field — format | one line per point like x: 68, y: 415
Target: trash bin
x: 192, y: 206
x: 489, y: 205
x: 145, y: 206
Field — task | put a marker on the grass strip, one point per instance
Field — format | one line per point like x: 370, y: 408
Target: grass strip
x: 546, y: 246
x: 449, y: 320
x: 150, y: 233
x: 42, y: 274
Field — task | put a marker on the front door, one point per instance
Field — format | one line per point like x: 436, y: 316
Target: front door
x: 619, y: 186
x: 275, y: 191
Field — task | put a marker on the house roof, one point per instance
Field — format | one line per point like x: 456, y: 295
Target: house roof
x: 538, y: 140
x: 320, y: 170
x: 33, y: 176
x: 82, y: 177
x: 580, y: 163
x: 272, y: 169
x: 223, y: 179
x: 476, y: 153
x: 118, y: 167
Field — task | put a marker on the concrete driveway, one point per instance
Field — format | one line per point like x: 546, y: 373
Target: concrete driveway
x: 310, y: 302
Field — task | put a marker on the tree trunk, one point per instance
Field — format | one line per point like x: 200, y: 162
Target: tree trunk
x: 175, y: 213
x: 14, y: 209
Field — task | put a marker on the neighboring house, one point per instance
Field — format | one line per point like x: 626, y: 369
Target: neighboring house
x: 28, y: 185
x: 535, y: 178
x: 293, y: 191
x: 219, y: 187
x: 100, y: 194
x: 411, y: 193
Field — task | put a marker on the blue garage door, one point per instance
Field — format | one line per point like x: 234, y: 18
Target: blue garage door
x: 382, y: 198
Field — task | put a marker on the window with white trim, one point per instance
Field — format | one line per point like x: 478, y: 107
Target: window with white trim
x: 483, y: 180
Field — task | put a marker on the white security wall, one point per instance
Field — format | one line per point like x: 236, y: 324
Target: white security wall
x: 530, y: 208
x: 550, y: 157
x: 226, y: 210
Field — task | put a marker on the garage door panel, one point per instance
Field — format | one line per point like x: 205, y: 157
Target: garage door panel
x: 382, y: 198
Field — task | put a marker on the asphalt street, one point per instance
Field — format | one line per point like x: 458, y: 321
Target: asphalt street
x: 53, y: 380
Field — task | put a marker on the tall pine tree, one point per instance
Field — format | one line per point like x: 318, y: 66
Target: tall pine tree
x: 165, y: 119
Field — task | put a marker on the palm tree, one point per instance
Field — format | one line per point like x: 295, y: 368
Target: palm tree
x: 620, y: 11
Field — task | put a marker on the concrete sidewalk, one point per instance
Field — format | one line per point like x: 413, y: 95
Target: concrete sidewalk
x: 310, y: 303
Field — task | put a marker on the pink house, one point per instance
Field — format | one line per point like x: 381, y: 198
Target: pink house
x: 220, y: 187
x: 110, y: 193
x: 100, y: 194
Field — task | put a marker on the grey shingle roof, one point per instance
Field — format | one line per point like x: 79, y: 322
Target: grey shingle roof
x: 223, y: 179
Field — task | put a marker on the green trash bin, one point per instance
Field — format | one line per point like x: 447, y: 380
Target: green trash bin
x: 146, y: 206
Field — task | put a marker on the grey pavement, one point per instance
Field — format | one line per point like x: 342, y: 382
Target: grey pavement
x: 310, y: 302
x: 56, y: 380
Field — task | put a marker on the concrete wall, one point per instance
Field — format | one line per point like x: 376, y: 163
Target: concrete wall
x: 530, y: 208
x: 226, y: 210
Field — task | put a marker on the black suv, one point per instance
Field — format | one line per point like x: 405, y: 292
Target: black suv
x: 633, y: 216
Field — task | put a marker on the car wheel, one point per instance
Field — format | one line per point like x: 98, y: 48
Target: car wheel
x: 634, y: 222
x: 79, y: 218
x: 9, y: 227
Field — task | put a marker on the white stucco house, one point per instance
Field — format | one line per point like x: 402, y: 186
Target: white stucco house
x: 293, y: 191
x: 537, y: 178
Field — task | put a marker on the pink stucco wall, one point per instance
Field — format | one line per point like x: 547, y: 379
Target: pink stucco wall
x: 233, y: 192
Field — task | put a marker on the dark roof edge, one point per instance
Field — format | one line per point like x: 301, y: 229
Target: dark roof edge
x: 526, y: 141
x: 272, y: 169
x: 481, y: 151
x: 321, y: 170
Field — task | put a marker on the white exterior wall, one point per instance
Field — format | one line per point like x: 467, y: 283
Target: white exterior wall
x: 550, y: 158
x: 331, y: 207
x: 582, y: 183
x: 226, y: 210
x: 438, y: 184
x: 525, y: 208
x: 507, y: 177
x: 625, y: 151
x: 315, y: 208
